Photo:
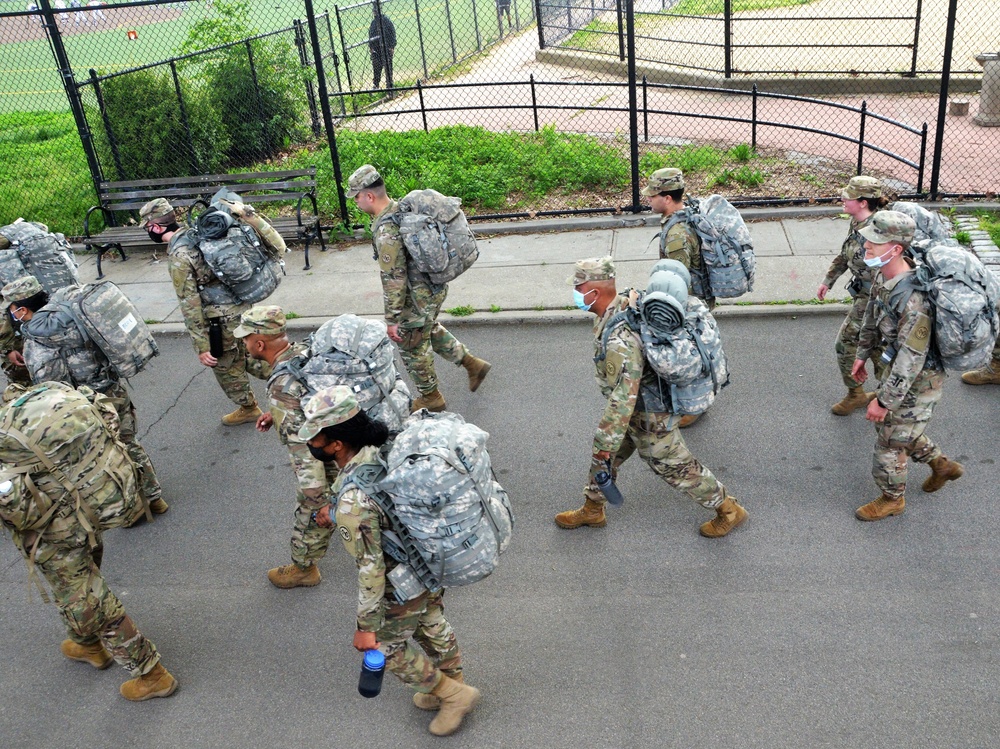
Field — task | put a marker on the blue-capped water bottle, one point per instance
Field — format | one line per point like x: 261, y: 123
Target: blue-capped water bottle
x: 372, y: 671
x: 607, y: 486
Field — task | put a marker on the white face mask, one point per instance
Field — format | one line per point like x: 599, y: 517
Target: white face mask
x: 580, y: 300
x: 880, y: 261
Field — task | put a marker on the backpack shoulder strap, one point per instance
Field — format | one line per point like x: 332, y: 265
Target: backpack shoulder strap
x: 628, y: 317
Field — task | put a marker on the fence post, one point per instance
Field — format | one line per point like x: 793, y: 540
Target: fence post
x: 861, y: 136
x: 451, y: 30
x: 534, y: 100
x: 336, y: 64
x: 112, y: 141
x: 633, y: 115
x: 73, y: 94
x: 645, y: 112
x: 621, y: 32
x: 420, y: 35
x: 541, y: 28
x: 324, y: 99
x: 475, y: 25
x: 300, y: 43
x: 923, y: 157
x: 184, y: 118
x: 727, y: 14
x: 347, y: 56
x: 517, y: 18
x: 263, y: 119
x: 423, y: 112
x: 753, y: 121
x: 949, y: 42
x: 916, y: 39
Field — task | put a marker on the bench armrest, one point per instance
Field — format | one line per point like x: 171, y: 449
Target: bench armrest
x: 104, y: 211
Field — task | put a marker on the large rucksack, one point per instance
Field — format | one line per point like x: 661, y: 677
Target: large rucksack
x: 79, y: 318
x: 62, y: 465
x: 688, y: 360
x: 963, y: 295
x: 931, y: 226
x: 436, y: 234
x: 450, y: 519
x: 35, y: 251
x: 351, y: 351
x: 728, y: 260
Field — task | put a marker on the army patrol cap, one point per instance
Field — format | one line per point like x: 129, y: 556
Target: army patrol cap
x: 889, y: 226
x: 20, y: 289
x: 862, y: 187
x: 328, y: 407
x: 266, y: 320
x: 364, y: 176
x: 592, y: 269
x: 664, y: 180
x: 155, y: 210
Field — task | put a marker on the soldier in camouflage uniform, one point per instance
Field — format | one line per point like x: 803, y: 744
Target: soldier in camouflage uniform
x: 337, y: 430
x: 67, y: 552
x: 911, y: 385
x: 29, y: 304
x: 626, y: 425
x: 263, y: 332
x: 412, y: 303
x: 680, y: 242
x: 862, y: 198
x: 11, y: 344
x: 190, y: 274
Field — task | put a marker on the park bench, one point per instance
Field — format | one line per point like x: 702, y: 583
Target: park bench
x: 184, y: 192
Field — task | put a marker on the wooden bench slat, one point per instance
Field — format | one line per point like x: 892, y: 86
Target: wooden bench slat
x: 289, y: 187
x: 208, y: 179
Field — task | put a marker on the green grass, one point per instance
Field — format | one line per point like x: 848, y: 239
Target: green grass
x: 712, y: 7
x: 496, y: 308
x: 963, y: 237
x: 741, y: 153
x: 990, y: 221
x: 292, y: 315
x: 463, y: 310
x: 686, y: 158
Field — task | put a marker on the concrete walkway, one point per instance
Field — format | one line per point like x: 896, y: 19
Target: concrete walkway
x: 522, y: 270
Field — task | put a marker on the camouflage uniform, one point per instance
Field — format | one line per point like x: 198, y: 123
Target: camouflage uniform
x: 852, y: 258
x: 626, y: 427
x: 681, y: 243
x: 314, y: 478
x: 360, y: 524
x: 413, y: 304
x: 11, y: 341
x: 190, y: 273
x: 910, y: 387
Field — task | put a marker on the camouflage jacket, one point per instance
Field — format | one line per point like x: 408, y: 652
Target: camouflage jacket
x: 284, y: 393
x: 410, y: 300
x: 618, y: 375
x: 360, y: 524
x: 908, y: 334
x: 9, y: 339
x: 852, y: 258
x: 190, y: 274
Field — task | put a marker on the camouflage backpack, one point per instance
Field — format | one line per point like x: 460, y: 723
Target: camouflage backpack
x: 35, y: 251
x: 963, y: 295
x: 436, y: 235
x: 238, y: 257
x: 79, y: 319
x: 686, y: 356
x: 450, y: 519
x: 728, y: 260
x: 931, y: 226
x: 357, y: 353
x: 62, y: 467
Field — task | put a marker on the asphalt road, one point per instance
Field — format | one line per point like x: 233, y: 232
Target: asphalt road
x: 804, y: 628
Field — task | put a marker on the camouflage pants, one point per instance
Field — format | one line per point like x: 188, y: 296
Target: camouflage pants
x: 149, y: 485
x: 314, y: 480
x: 231, y: 371
x: 309, y: 541
x: 417, y: 351
x: 661, y: 445
x: 421, y: 619
x: 847, y: 341
x: 90, y: 610
x: 901, y: 435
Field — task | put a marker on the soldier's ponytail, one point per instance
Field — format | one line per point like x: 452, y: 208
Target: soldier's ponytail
x: 358, y: 431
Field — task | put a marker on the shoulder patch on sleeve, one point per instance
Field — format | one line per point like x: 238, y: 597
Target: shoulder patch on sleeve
x: 920, y: 334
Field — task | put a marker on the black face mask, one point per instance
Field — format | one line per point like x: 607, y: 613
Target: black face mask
x: 317, y: 452
x: 158, y: 236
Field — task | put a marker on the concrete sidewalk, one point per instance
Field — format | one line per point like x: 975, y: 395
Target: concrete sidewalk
x: 521, y: 272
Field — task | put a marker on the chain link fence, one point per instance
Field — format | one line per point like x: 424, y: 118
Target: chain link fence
x: 765, y: 101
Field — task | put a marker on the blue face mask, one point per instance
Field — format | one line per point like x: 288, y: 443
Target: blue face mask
x: 877, y: 262
x: 579, y: 299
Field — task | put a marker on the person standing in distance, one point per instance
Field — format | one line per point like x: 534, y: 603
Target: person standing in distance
x: 912, y: 384
x: 381, y: 46
x: 626, y: 426
x: 412, y: 304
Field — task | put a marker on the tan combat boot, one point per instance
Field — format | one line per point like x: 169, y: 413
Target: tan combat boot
x: 157, y: 683
x: 982, y: 376
x: 427, y: 701
x: 477, y: 369
x: 432, y: 401
x: 457, y: 699
x: 242, y: 415
x: 94, y: 654
x: 158, y: 506
x: 687, y: 420
x: 728, y: 515
x: 880, y: 508
x: 292, y: 576
x: 592, y: 514
x: 856, y: 398
x: 944, y: 471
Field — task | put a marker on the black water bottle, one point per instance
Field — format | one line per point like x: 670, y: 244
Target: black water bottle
x: 215, y: 338
x: 372, y: 670
x: 607, y: 486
